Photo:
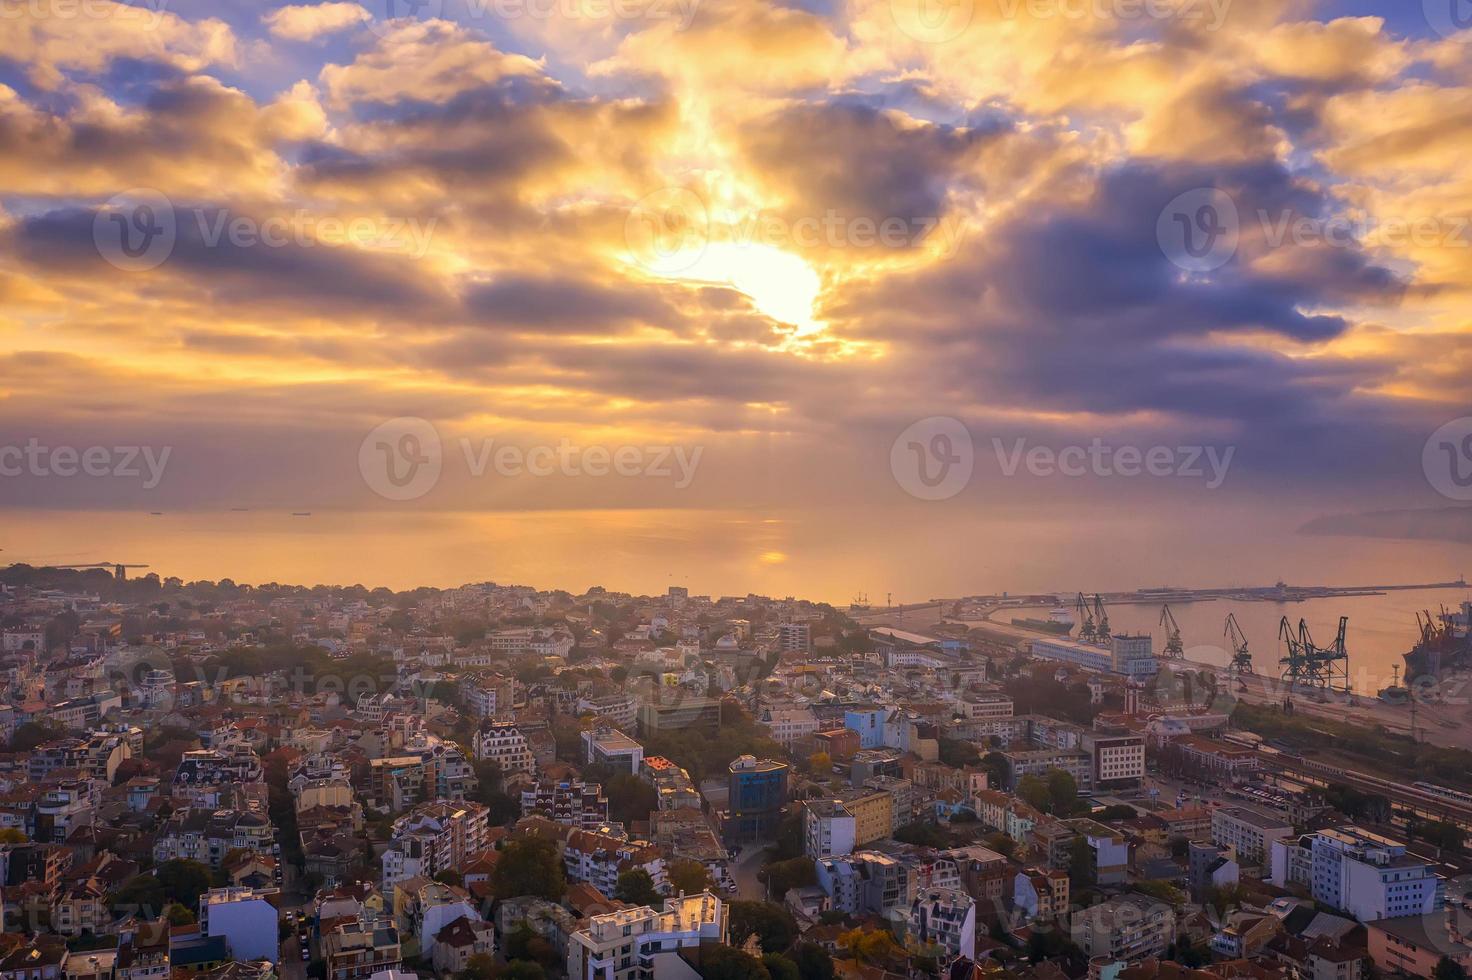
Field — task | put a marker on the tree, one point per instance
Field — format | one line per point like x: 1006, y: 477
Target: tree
x: 523, y: 970
x: 958, y: 753
x: 1034, y: 791
x: 529, y: 866
x: 813, y: 961
x: 799, y: 872
x: 12, y: 835
x: 178, y: 915
x: 780, y: 967
x: 184, y: 881
x: 821, y: 763
x: 480, y: 966
x: 689, y: 877
x: 1081, y: 863
x: 1448, y: 969
x: 630, y: 798
x: 774, y: 926
x: 871, y: 946
x: 450, y: 876
x: 921, y: 835
x: 1063, y: 792
x: 730, y: 963
x: 636, y: 888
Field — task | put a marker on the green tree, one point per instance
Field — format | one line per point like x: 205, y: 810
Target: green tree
x: 522, y: 970
x: 529, y: 866
x: 729, y: 963
x: 1034, y: 791
x: 184, y: 881
x: 142, y: 894
x: 798, y: 872
x: 636, y: 888
x: 813, y: 961
x: 1081, y: 863
x: 480, y: 966
x: 1062, y: 792
x: 780, y: 967
x: 178, y: 915
x: 958, y: 753
x: 689, y: 877
x: 630, y: 798
x: 774, y: 926
x: 1448, y: 969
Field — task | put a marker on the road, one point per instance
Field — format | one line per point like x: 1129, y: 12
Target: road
x: 744, y: 870
x: 292, y: 965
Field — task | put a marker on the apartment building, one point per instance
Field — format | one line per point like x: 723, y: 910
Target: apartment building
x: 432, y: 838
x: 636, y: 943
x: 599, y: 859
x: 487, y: 695
x: 1130, y: 928
x: 1372, y: 877
x: 503, y: 743
x: 865, y: 883
x: 873, y: 812
x: 1118, y: 760
x: 246, y: 920
x: 944, y: 918
x: 1041, y: 893
x: 1250, y: 833
x: 828, y: 829
x: 570, y: 802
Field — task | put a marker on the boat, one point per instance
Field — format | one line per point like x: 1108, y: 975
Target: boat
x: 1444, y: 645
x: 301, y: 513
x: 860, y: 603
x: 1044, y: 626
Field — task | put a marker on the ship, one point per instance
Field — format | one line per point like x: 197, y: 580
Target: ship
x: 1059, y: 622
x: 860, y: 603
x: 1445, y: 644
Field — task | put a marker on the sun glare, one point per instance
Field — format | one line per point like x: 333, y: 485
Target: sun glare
x: 779, y: 284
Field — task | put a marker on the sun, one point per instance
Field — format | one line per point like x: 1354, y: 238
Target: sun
x: 779, y: 284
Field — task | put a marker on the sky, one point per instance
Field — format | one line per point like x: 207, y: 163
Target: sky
x: 1033, y: 259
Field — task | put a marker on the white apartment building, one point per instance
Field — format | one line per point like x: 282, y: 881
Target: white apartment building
x: 794, y: 637
x: 599, y: 859
x: 503, y: 743
x: 1372, y: 877
x: 945, y: 917
x: 830, y: 829
x: 245, y: 918
x: 632, y: 944
x: 1250, y: 833
x: 1119, y: 760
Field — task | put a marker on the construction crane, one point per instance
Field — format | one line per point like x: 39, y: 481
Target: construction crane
x: 1241, y: 656
x: 1101, y: 618
x: 1311, y: 666
x: 119, y: 569
x: 1086, y: 629
x: 1174, y: 648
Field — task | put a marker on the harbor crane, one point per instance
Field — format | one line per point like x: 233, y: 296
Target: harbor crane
x: 1174, y: 648
x: 1087, y: 631
x: 119, y: 569
x: 1241, y: 656
x: 1101, y: 617
x: 1311, y: 666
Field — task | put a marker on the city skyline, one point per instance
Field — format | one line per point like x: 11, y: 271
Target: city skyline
x: 1040, y: 262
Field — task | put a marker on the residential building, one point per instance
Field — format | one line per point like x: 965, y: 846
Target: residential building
x: 503, y: 743
x: 944, y: 918
x: 636, y: 943
x: 828, y: 829
x: 1372, y: 877
x: 865, y: 883
x: 570, y: 802
x: 432, y: 838
x: 245, y: 918
x: 1249, y: 833
x: 1041, y: 893
x: 1130, y: 927
x: 680, y: 714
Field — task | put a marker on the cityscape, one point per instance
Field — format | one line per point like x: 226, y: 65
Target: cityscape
x: 735, y: 489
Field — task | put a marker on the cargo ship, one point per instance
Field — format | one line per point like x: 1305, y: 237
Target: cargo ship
x: 1445, y: 644
x: 1059, y: 622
